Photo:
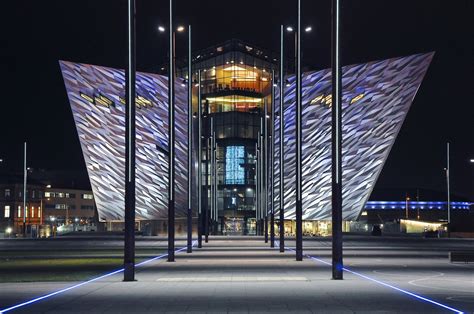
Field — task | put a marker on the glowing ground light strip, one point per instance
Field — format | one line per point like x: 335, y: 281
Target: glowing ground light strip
x: 419, y: 297
x: 84, y: 283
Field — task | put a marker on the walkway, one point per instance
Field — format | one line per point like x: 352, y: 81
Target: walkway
x: 240, y: 276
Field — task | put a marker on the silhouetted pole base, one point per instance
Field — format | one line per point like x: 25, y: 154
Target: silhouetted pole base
x: 266, y: 229
x: 199, y: 231
x: 206, y: 228
x: 189, y: 248
x: 171, y: 231
x: 272, y: 230
x: 129, y: 272
x: 299, y: 231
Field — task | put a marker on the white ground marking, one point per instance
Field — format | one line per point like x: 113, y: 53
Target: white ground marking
x: 431, y: 286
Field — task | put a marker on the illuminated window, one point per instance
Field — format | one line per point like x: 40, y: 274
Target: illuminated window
x: 234, y: 171
x: 26, y: 212
x: 316, y: 99
x: 39, y: 212
x: 86, y: 97
x: 32, y: 212
x: 87, y: 196
x: 19, y: 211
x: 7, y: 212
x: 356, y: 98
x: 47, y: 194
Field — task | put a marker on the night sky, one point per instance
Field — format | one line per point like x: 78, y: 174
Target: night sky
x: 36, y: 34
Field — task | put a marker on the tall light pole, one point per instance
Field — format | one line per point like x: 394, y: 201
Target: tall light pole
x: 25, y: 175
x: 262, y: 177
x: 299, y: 208
x: 272, y: 171
x: 265, y: 168
x: 213, y: 188
x: 216, y: 209
x: 336, y: 164
x: 199, y: 161
x: 282, y: 149
x: 171, y: 139
x: 189, y: 248
x: 129, y: 240
x: 257, y: 185
x: 448, y: 187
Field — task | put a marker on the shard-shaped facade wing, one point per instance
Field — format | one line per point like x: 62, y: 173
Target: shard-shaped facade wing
x: 376, y: 98
x: 96, y: 95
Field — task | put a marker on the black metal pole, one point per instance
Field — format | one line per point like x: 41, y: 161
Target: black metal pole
x: 129, y: 240
x: 299, y: 208
x: 336, y: 145
x: 282, y: 150
x: 206, y: 174
x: 214, y: 147
x: 257, y: 186
x: 25, y: 175
x: 265, y: 169
x: 199, y: 176
x: 189, y: 248
x: 262, y: 174
x: 171, y: 141
x: 210, y: 211
x: 272, y: 171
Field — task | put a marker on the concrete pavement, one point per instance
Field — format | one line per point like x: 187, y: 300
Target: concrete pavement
x: 244, y: 275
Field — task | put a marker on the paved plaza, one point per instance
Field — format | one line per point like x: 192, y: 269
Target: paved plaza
x: 242, y: 275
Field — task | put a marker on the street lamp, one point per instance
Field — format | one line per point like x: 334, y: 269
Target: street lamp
x: 472, y: 160
x: 281, y: 147
x: 171, y: 133
x: 299, y: 136
x: 406, y: 206
x: 130, y: 197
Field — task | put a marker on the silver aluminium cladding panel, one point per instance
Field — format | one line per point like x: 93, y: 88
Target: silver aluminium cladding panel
x: 376, y: 98
x: 96, y: 95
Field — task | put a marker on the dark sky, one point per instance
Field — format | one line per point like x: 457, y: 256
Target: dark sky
x: 36, y: 34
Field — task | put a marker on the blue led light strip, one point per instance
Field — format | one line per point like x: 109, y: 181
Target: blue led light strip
x: 84, y: 283
x: 419, y: 297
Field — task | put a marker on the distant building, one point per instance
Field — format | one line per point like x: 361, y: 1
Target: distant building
x: 46, y: 208
x: 13, y: 215
x: 69, y: 206
x: 417, y: 216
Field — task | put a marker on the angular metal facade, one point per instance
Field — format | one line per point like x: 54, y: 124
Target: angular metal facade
x: 376, y: 98
x: 96, y: 96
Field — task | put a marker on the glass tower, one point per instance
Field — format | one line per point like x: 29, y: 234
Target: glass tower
x: 235, y: 86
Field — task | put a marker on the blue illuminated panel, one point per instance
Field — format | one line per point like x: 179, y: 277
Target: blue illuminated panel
x: 415, y: 204
x: 234, y: 158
